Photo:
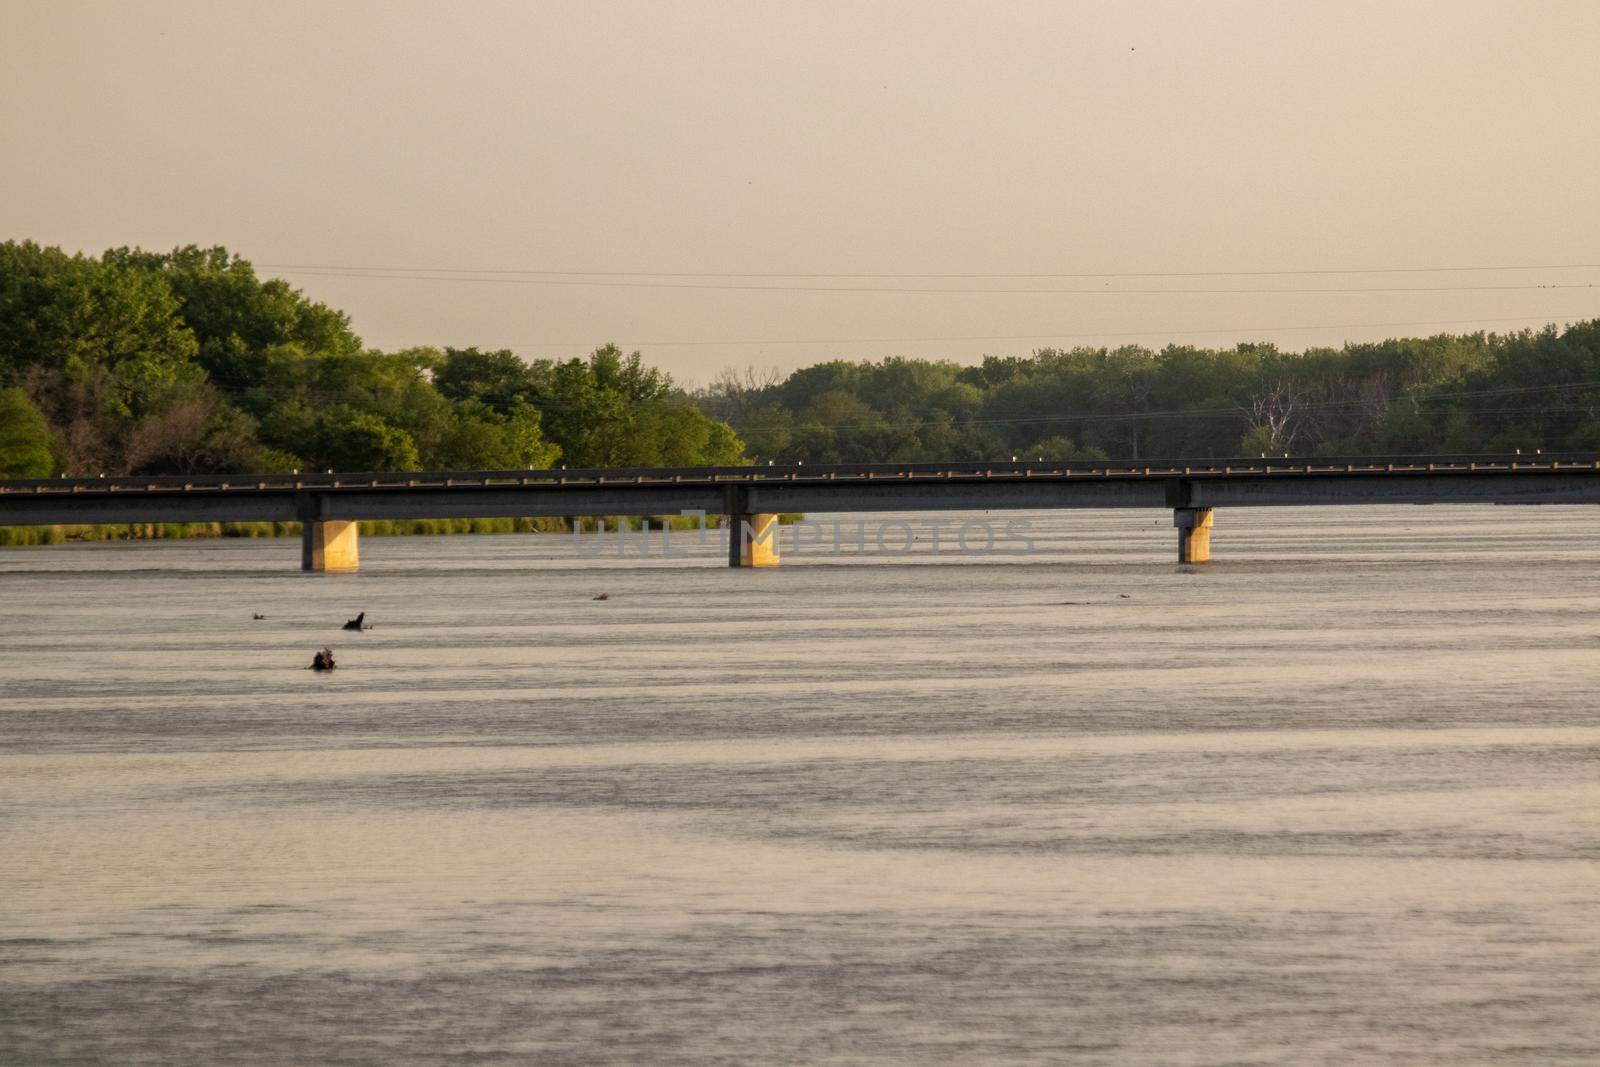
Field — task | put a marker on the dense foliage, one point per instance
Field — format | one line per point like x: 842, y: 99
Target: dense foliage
x: 1448, y: 393
x: 186, y: 362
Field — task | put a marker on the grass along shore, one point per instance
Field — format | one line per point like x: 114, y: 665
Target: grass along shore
x: 18, y: 536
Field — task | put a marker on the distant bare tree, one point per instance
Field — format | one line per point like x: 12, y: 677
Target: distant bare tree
x: 732, y: 391
x: 175, y: 436
x: 1277, y: 414
x: 196, y: 432
x: 76, y: 405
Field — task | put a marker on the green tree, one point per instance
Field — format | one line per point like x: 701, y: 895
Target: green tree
x: 234, y: 316
x: 668, y: 434
x: 187, y: 361
x: 1061, y: 449
x: 25, y: 438
x: 99, y: 346
x: 344, y: 439
x: 67, y: 317
x: 480, y: 438
x: 525, y: 443
x: 612, y: 411
x: 768, y: 431
x: 500, y: 379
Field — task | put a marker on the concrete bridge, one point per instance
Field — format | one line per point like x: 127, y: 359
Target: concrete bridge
x: 330, y: 505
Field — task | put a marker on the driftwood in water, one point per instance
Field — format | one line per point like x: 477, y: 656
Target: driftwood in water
x: 323, y: 661
x: 601, y: 596
x: 356, y: 623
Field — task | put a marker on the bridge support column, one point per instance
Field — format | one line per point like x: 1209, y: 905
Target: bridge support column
x: 753, y: 540
x: 332, y: 545
x: 1194, y: 534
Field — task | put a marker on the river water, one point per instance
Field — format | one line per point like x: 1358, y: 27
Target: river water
x: 1333, y: 798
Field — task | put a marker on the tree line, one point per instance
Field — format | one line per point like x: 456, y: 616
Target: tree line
x: 1478, y: 392
x: 187, y: 362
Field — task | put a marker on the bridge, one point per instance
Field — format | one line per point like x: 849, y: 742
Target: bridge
x: 329, y: 506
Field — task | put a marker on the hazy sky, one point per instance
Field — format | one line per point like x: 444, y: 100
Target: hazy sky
x: 919, y: 138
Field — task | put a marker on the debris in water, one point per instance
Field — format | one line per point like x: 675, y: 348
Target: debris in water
x: 357, y: 622
x: 323, y: 661
x: 257, y: 616
x: 601, y: 596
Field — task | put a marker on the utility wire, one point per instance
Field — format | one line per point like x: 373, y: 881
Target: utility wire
x: 1236, y: 410
x: 332, y: 396
x: 789, y: 274
x: 1027, y: 336
x: 934, y: 290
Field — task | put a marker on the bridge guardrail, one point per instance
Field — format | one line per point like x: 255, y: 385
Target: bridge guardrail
x: 370, y: 480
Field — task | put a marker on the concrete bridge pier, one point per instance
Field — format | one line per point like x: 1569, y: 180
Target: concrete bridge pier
x: 326, y: 544
x: 1194, y: 534
x: 752, y: 533
x: 753, y: 540
x: 330, y: 545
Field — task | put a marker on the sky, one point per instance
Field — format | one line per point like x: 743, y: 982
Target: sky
x: 441, y: 171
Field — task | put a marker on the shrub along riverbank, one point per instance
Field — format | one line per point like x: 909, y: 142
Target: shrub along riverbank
x: 175, y: 531
x: 14, y: 536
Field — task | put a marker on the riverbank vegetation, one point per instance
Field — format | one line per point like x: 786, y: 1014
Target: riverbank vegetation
x: 186, y: 362
x: 12, y: 536
x: 1478, y: 392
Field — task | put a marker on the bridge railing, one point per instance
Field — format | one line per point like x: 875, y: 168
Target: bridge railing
x: 1140, y: 468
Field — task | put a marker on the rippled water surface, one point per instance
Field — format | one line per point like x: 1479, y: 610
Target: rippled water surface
x: 1332, y: 798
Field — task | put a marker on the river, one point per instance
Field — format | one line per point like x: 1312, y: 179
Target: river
x: 1333, y: 798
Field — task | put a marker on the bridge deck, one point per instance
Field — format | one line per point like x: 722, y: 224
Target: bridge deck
x: 1564, y: 478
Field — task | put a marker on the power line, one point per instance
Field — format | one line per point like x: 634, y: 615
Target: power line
x: 241, y: 387
x: 935, y: 290
x: 1029, y: 336
x: 285, y: 391
x: 1235, y: 411
x: 364, y: 270
x: 1164, y: 416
